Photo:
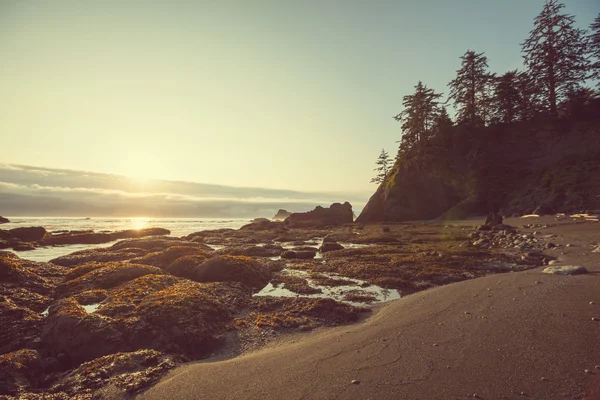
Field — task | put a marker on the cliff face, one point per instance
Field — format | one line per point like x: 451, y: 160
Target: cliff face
x: 513, y: 168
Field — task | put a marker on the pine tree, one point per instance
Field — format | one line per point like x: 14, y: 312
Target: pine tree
x: 555, y: 54
x: 384, y: 163
x: 528, y: 97
x: 507, y: 98
x: 594, y: 49
x: 470, y: 89
x: 417, y: 118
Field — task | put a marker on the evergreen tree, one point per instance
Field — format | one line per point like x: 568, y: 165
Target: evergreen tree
x: 507, y: 98
x: 418, y: 117
x: 384, y: 164
x: 470, y: 89
x: 576, y: 100
x: 594, y: 49
x: 528, y: 97
x: 555, y: 54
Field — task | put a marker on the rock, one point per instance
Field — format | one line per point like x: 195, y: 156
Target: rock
x: 223, y: 269
x: 336, y: 214
x: 162, y: 259
x: 565, y: 270
x: 4, y: 244
x: 29, y: 234
x: 504, y: 227
x: 101, y: 276
x: 281, y: 215
x: 97, y: 238
x: 97, y: 255
x: 152, y: 244
x: 262, y: 225
x: 550, y: 245
x: 355, y: 382
x: 493, y: 219
x: 330, y: 246
x: 20, y: 370
x: 385, y: 229
x: 160, y: 312
x: 24, y: 247
x: 484, y: 228
x: 289, y: 254
x: 269, y: 250
x: 126, y: 372
x: 20, y: 325
x: 3, y: 220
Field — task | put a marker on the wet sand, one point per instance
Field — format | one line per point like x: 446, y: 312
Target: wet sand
x: 521, y: 335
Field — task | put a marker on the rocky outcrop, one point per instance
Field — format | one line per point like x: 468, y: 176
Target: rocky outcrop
x: 29, y: 234
x: 336, y: 214
x: 281, y: 215
x: 262, y: 224
x: 548, y: 166
x: 97, y: 238
x: 222, y: 269
x: 4, y: 220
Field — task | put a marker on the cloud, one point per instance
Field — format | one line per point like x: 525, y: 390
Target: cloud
x: 35, y: 191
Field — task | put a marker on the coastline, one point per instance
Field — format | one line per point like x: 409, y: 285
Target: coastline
x: 516, y: 335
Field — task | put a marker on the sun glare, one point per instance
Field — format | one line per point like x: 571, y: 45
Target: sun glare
x: 139, y: 223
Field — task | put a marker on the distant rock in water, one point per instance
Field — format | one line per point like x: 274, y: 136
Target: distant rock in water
x: 281, y: 215
x: 336, y: 214
x: 545, y: 165
x: 6, y: 220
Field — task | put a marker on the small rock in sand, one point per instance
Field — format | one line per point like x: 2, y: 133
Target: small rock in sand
x: 355, y: 382
x: 587, y: 371
x: 565, y: 270
x: 594, y: 319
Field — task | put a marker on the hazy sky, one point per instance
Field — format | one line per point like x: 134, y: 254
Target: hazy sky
x: 278, y: 94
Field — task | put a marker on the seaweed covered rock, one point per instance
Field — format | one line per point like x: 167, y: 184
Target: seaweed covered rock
x: 128, y: 373
x: 19, y: 371
x: 336, y: 214
x: 102, y: 276
x: 222, y: 269
x: 101, y: 237
x: 152, y: 244
x: 162, y: 259
x: 268, y: 250
x: 97, y: 255
x: 20, y: 325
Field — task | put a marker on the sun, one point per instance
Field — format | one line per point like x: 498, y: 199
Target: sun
x: 139, y: 222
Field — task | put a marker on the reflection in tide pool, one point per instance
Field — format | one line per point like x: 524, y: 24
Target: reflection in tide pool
x: 336, y: 292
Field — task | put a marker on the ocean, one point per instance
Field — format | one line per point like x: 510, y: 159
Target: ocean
x: 177, y: 226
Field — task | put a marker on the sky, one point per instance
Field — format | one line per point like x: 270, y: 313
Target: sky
x: 276, y: 94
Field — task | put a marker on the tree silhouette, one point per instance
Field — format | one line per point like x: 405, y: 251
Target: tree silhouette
x: 555, y: 54
x: 470, y: 89
x: 384, y: 163
x: 507, y: 98
x: 594, y: 49
x: 418, y: 117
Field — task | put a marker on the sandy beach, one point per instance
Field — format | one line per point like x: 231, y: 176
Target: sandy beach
x: 519, y: 335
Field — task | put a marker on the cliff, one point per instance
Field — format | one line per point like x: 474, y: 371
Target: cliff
x: 542, y: 166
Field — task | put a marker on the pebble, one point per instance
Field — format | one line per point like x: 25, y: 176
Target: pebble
x: 467, y: 312
x: 592, y: 303
x: 544, y: 379
x: 597, y: 367
x: 587, y: 371
x: 435, y: 345
x: 355, y: 382
x: 594, y: 319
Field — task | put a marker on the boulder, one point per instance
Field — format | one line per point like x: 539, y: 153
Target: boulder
x: 305, y: 255
x: 102, y: 276
x: 97, y: 255
x: 24, y: 247
x: 493, y: 219
x: 162, y: 259
x: 4, y: 244
x: 281, y: 215
x: 3, y: 220
x: 29, y: 234
x: 19, y: 371
x: 262, y: 224
x: 336, y: 214
x: 330, y: 246
x: 222, y: 269
x: 269, y: 250
x: 20, y: 325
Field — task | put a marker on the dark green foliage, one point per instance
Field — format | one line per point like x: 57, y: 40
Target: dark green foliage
x: 470, y: 90
x: 555, y: 54
x: 507, y: 98
x: 384, y: 164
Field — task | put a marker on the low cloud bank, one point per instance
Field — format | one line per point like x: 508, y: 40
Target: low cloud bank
x: 33, y: 191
